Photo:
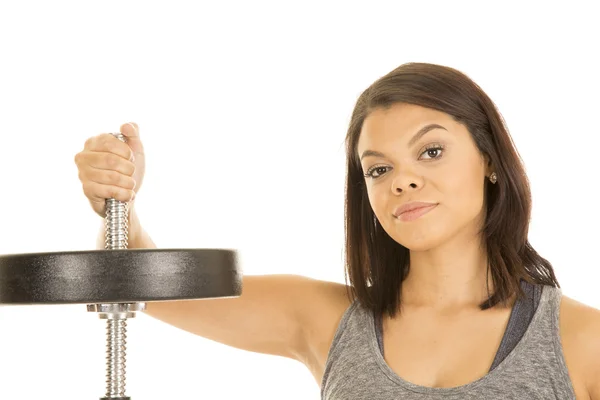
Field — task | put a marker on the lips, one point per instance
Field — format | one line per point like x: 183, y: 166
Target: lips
x: 412, y: 206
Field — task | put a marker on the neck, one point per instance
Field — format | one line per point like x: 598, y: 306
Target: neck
x: 449, y: 277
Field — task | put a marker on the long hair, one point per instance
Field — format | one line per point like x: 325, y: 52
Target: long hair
x: 376, y: 265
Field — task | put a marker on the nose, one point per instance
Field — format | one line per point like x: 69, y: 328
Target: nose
x: 405, y: 182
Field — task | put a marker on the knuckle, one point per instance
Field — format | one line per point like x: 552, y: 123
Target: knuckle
x: 87, y: 188
x: 130, y: 183
x: 108, y: 177
x: 131, y: 168
x: 112, y: 161
x: 80, y: 159
x: 89, y: 143
x: 115, y: 178
x: 105, y: 140
x: 112, y: 193
x: 122, y: 195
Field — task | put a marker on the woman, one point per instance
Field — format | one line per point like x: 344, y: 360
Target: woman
x: 446, y: 297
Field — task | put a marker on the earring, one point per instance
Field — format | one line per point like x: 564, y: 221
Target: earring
x: 493, y: 177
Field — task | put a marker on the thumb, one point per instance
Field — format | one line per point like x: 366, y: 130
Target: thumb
x: 132, y: 132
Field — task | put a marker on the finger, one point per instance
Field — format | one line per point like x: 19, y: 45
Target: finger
x: 106, y: 161
x: 106, y: 177
x: 107, y: 142
x: 131, y: 131
x: 98, y: 193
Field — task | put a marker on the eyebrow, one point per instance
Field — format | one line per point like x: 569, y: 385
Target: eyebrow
x: 413, y: 140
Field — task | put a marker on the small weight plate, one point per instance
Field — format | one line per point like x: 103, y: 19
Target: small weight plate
x: 119, y: 276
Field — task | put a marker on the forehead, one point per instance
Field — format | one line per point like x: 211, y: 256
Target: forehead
x: 400, y: 122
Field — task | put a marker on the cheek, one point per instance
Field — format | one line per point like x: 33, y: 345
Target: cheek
x: 463, y: 193
x: 379, y: 198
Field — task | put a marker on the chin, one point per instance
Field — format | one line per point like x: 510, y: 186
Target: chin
x: 417, y: 245
x: 417, y: 238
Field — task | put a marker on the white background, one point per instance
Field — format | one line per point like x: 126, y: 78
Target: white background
x: 243, y: 109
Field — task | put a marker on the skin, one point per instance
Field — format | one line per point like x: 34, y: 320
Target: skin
x: 441, y: 323
x: 296, y: 317
x: 447, y: 259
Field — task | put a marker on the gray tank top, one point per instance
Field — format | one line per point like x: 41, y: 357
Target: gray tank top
x: 529, y: 363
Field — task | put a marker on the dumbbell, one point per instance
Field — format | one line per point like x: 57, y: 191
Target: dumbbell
x: 117, y: 282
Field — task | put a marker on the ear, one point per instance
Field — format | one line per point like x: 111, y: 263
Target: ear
x: 489, y: 168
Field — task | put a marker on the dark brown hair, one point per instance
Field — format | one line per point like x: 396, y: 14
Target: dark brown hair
x: 376, y: 264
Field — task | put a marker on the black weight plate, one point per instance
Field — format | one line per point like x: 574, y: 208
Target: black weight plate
x: 119, y: 276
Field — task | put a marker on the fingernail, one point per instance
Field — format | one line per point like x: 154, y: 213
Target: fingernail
x: 133, y: 126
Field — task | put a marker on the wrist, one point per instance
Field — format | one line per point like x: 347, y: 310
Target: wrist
x: 134, y: 225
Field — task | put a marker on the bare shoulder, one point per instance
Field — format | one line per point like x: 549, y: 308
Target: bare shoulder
x: 580, y: 336
x: 324, y: 306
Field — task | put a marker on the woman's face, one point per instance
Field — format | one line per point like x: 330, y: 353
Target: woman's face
x: 415, y: 154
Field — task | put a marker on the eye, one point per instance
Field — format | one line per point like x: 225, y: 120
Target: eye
x: 433, y: 152
x: 377, y: 168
